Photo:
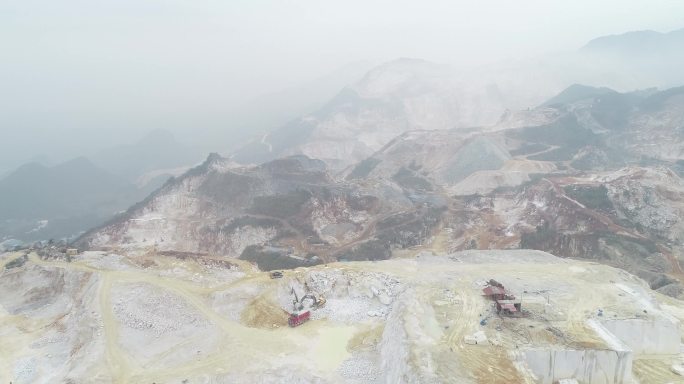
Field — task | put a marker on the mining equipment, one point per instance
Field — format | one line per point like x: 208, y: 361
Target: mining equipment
x: 316, y: 302
x: 300, y: 312
x: 299, y: 315
x: 276, y: 275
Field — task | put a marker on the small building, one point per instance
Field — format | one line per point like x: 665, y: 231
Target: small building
x: 494, y: 292
x: 72, y: 251
x: 505, y: 302
x: 510, y: 307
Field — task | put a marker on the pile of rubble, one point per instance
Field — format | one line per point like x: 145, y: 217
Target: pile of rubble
x: 359, y: 369
x: 142, y: 307
x: 351, y: 296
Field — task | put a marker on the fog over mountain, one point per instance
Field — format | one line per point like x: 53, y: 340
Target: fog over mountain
x: 343, y: 118
x: 41, y: 203
x: 194, y: 68
x: 342, y: 192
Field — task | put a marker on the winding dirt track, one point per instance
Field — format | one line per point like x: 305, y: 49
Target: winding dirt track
x: 235, y: 337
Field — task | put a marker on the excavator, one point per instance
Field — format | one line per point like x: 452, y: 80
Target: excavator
x: 300, y: 312
x: 316, y: 302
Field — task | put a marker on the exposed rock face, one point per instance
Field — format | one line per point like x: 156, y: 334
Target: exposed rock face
x: 588, y: 180
x: 587, y: 366
x: 560, y: 178
x: 289, y: 211
x: 457, y: 162
x: 394, y: 98
x: 647, y: 336
x: 654, y: 198
x: 583, y: 129
x: 70, y: 341
x: 629, y: 218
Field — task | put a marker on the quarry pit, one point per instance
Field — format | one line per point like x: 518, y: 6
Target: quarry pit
x: 142, y: 318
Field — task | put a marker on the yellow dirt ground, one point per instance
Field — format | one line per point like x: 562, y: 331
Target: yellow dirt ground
x: 655, y: 371
x: 254, y: 339
x: 262, y: 312
x: 366, y: 338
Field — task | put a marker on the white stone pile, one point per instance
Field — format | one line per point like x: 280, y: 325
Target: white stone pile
x: 359, y: 369
x: 146, y: 309
x: 351, y: 296
x: 25, y: 370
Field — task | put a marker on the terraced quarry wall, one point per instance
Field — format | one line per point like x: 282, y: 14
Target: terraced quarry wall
x: 647, y: 336
x: 590, y: 366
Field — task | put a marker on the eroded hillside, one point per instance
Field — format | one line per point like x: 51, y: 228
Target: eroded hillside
x: 282, y: 214
x: 574, y: 176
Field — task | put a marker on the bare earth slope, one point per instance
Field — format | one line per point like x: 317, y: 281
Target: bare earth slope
x: 592, y: 174
x: 282, y: 214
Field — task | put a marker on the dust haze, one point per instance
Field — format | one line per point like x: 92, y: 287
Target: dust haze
x: 79, y: 77
x: 357, y: 192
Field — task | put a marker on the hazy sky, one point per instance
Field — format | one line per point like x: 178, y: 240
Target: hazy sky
x: 72, y: 71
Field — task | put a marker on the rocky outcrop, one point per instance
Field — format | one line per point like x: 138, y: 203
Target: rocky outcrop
x: 285, y: 209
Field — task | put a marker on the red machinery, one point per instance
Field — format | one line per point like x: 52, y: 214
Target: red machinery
x: 299, y: 315
x: 298, y: 318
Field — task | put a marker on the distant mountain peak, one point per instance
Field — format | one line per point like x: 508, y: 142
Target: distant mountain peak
x: 80, y: 161
x: 31, y: 166
x: 577, y: 92
x: 397, y: 96
x: 634, y: 42
x: 158, y: 149
x: 398, y: 76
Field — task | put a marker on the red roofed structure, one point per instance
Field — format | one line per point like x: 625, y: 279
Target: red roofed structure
x: 494, y: 292
x: 508, y: 307
x: 505, y: 302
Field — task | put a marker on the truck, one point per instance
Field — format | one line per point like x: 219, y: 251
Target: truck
x: 276, y: 275
x: 297, y: 318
